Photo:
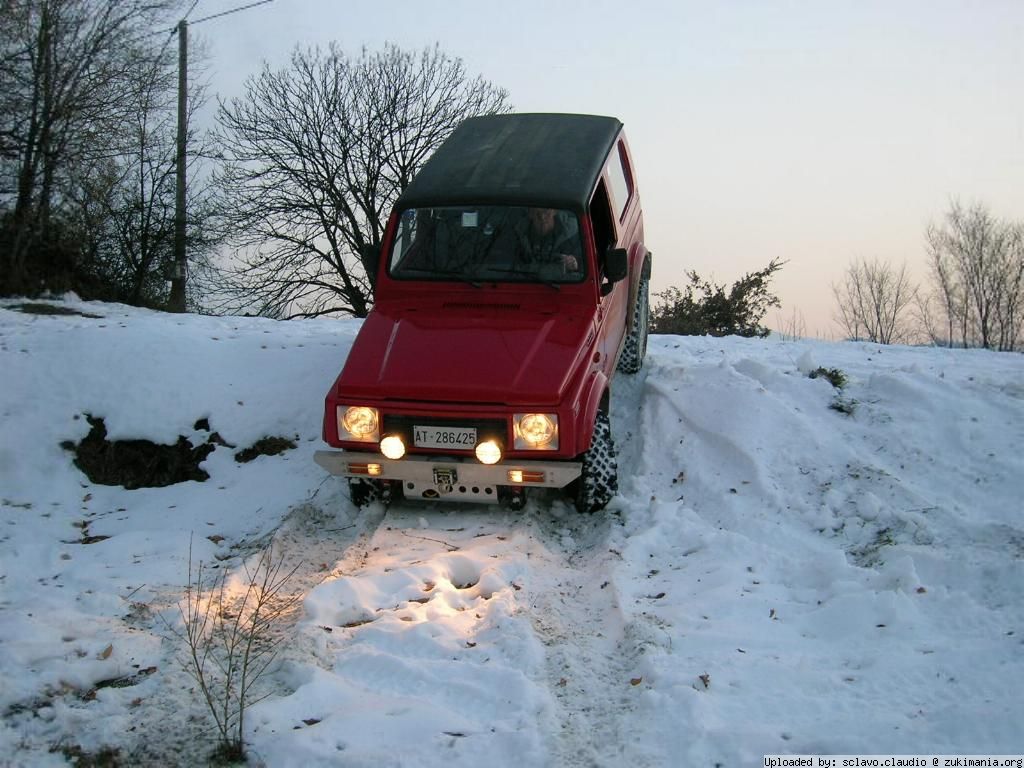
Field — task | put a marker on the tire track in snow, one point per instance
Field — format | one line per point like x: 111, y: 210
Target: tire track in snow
x: 589, y: 654
x: 592, y: 647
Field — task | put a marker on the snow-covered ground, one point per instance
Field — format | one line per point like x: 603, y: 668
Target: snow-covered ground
x: 775, y: 576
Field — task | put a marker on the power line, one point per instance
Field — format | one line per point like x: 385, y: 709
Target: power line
x: 233, y: 10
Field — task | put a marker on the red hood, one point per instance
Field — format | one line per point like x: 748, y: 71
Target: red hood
x: 484, y: 353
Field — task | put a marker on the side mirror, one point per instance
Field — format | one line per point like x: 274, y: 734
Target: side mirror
x: 616, y: 265
x: 370, y: 256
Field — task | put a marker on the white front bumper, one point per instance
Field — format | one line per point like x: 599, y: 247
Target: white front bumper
x: 473, y: 481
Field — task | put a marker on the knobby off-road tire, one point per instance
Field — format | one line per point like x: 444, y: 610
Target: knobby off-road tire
x: 365, y: 492
x: 599, y: 481
x: 635, y: 348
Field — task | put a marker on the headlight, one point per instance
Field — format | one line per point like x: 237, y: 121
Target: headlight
x: 392, y: 447
x: 357, y: 422
x: 536, y: 431
x: 489, y: 452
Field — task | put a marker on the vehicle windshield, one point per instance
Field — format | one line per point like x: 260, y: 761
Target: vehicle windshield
x: 488, y: 243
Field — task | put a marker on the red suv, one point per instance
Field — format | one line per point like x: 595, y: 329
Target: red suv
x: 511, y: 286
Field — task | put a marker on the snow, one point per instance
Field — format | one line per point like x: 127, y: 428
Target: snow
x: 775, y: 575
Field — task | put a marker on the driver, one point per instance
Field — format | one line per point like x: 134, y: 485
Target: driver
x: 548, y: 239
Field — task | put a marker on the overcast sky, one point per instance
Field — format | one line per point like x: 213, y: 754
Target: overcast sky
x: 816, y: 132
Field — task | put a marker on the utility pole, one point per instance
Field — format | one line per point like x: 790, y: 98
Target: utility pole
x: 176, y: 301
x: 177, y: 298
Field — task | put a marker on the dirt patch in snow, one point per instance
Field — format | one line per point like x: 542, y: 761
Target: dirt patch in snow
x: 137, y: 463
x: 266, y: 446
x: 37, y: 308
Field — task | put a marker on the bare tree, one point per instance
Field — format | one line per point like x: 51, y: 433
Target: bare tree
x: 1010, y: 309
x: 791, y: 328
x: 873, y: 301
x: 977, y: 265
x: 65, y: 68
x: 315, y: 156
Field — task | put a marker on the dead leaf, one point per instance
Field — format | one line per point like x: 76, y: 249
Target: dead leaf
x: 105, y: 653
x: 706, y: 679
x: 562, y: 683
x: 636, y: 681
x: 216, y: 538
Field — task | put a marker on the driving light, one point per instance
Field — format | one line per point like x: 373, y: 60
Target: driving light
x: 358, y: 422
x: 519, y: 476
x: 392, y: 447
x: 536, y: 431
x: 489, y: 452
x: 363, y: 468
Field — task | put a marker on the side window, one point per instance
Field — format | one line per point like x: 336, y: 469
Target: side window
x: 621, y: 182
x: 601, y: 220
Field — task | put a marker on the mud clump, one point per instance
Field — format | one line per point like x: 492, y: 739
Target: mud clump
x: 137, y: 463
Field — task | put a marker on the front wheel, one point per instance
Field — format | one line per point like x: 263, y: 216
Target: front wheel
x: 635, y: 348
x: 599, y: 480
x: 365, y: 492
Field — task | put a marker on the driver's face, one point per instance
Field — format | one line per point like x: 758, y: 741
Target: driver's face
x: 542, y: 219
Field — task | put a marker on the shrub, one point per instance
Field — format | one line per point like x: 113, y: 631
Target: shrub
x: 230, y: 640
x: 707, y: 309
x: 833, y: 376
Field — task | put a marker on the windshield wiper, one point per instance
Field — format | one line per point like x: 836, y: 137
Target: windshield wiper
x: 534, y: 277
x: 441, y: 274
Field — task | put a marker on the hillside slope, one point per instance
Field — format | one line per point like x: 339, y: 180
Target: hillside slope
x: 789, y: 567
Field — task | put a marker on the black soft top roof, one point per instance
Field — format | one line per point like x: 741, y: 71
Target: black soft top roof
x: 550, y: 160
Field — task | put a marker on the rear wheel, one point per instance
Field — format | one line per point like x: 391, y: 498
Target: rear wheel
x: 635, y: 348
x: 599, y: 480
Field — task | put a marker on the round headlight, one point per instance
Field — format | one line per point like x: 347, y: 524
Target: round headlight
x: 392, y: 447
x: 537, y: 429
x: 360, y: 421
x: 489, y: 452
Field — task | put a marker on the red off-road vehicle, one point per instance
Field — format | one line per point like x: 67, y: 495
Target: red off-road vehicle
x: 511, y: 285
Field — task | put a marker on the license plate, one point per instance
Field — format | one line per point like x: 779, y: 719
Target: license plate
x: 459, y: 438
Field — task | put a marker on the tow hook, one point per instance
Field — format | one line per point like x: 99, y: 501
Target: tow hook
x: 445, y: 479
x: 516, y: 499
